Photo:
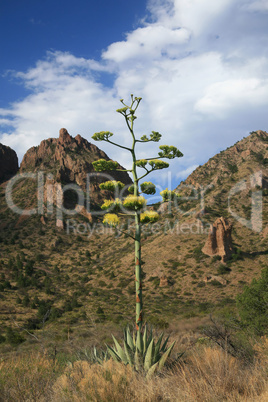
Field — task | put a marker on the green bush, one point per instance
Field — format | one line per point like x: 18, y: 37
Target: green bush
x: 223, y: 269
x: 13, y: 337
x: 252, y: 304
x: 100, y: 314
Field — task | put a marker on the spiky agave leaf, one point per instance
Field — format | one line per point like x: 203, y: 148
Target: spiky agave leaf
x: 121, y: 353
x: 165, y: 356
x: 137, y: 360
x: 128, y: 354
x: 150, y: 337
x: 113, y: 353
x: 129, y: 340
x: 157, y: 348
x: 163, y: 348
x: 149, y: 356
x: 152, y: 370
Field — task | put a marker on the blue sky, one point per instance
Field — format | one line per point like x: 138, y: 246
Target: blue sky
x: 201, y: 67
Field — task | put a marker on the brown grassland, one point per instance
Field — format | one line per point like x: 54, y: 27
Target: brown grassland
x: 206, y: 373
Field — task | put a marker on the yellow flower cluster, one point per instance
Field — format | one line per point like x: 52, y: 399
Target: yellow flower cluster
x: 111, y: 185
x: 168, y: 195
x: 134, y: 202
x: 111, y: 219
x: 149, y: 216
x: 112, y: 204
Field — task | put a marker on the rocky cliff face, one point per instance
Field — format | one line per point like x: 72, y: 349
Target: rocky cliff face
x: 8, y: 163
x: 68, y: 160
x: 219, y: 240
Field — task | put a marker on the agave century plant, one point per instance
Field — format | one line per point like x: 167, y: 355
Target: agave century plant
x: 142, y: 353
x: 135, y: 204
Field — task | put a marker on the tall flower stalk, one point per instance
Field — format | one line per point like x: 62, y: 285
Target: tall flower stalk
x: 134, y: 203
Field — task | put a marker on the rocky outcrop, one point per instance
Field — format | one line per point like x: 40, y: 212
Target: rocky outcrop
x: 219, y: 241
x: 8, y: 163
x: 163, y: 281
x: 68, y: 160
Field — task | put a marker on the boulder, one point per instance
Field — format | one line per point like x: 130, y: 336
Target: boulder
x: 163, y: 281
x: 219, y: 241
x: 59, y: 224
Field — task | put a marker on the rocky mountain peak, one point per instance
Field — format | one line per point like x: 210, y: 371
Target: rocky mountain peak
x: 70, y: 159
x: 65, y: 137
x: 8, y: 162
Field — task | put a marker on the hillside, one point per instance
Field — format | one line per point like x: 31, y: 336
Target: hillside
x: 247, y: 162
x: 85, y: 279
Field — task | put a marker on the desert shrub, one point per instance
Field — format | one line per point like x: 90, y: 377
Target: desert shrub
x: 232, y: 167
x: 26, y: 301
x: 216, y: 258
x: 13, y: 337
x: 252, y: 304
x: 223, y: 269
x: 214, y: 282
x: 100, y: 315
x: 158, y: 322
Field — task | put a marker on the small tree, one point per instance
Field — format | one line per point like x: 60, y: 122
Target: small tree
x: 134, y: 204
x: 253, y: 304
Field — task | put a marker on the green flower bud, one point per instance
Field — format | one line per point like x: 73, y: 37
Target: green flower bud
x: 141, y: 163
x: 144, y: 138
x: 169, y: 151
x: 158, y: 164
x: 102, y: 136
x: 148, y: 188
x: 103, y: 165
x: 122, y: 110
x: 112, y: 185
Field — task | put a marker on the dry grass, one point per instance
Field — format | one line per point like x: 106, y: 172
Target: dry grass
x: 27, y: 378
x: 207, y: 375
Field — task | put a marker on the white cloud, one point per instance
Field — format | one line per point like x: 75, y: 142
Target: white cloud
x: 200, y: 67
x: 147, y: 43
x: 227, y: 96
x: 259, y: 5
x: 197, y: 15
